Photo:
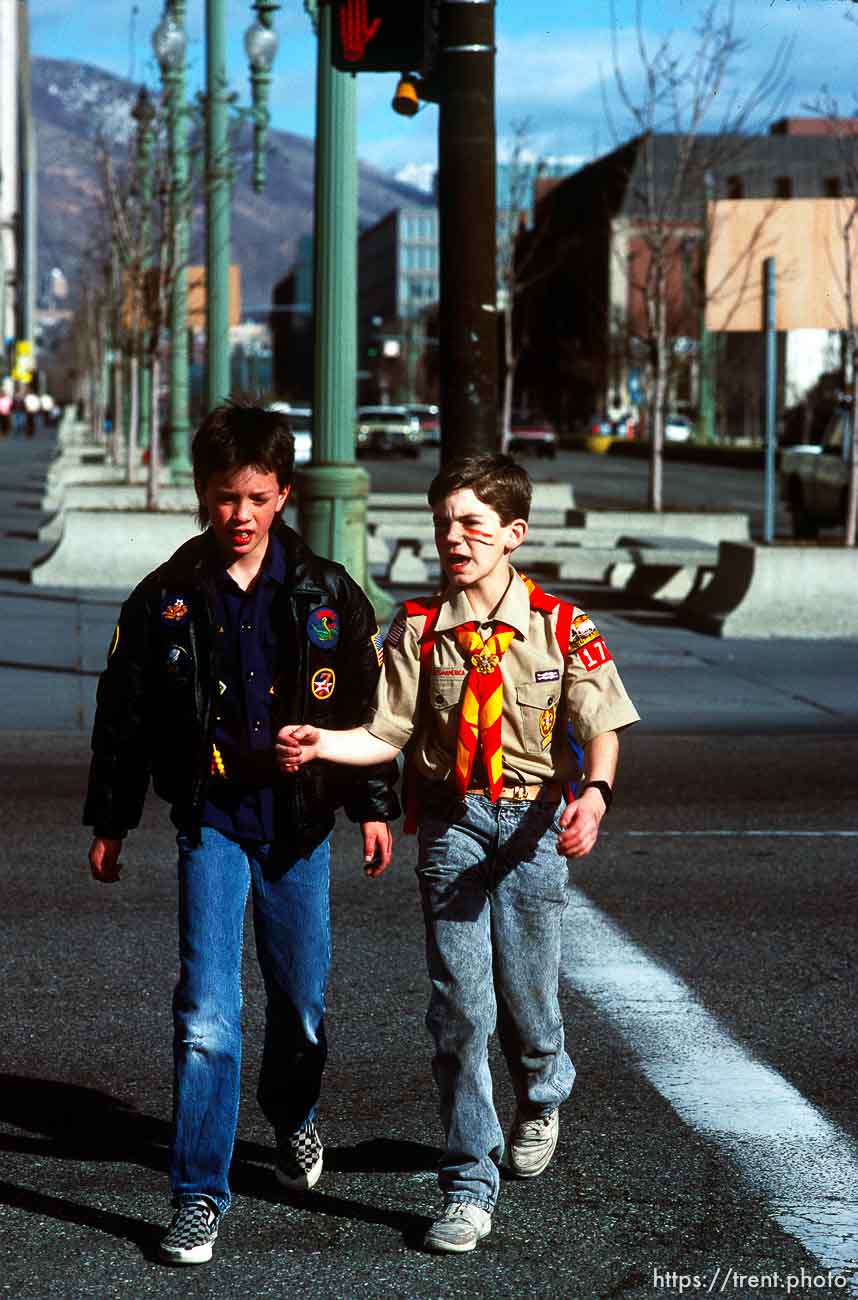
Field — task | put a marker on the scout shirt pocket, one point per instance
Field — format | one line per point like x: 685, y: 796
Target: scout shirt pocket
x: 444, y: 696
x: 537, y: 705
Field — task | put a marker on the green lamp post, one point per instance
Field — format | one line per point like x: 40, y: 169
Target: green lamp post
x: 143, y: 113
x: 261, y: 46
x: 260, y: 43
x: 170, y: 44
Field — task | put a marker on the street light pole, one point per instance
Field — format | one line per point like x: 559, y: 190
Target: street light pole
x: 706, y: 376
x: 170, y: 43
x: 468, y: 228
x: 144, y: 115
x: 218, y: 184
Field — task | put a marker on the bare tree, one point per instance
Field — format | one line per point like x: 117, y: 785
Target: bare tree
x: 681, y: 94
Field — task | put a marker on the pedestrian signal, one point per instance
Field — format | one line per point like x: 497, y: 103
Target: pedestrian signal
x: 379, y: 35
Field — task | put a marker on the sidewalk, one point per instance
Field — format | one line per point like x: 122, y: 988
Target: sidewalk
x: 54, y: 643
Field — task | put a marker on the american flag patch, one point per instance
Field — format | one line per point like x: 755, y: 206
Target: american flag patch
x: 378, y: 646
x: 396, y: 631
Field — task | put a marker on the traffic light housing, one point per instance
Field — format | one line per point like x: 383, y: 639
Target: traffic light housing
x: 380, y: 35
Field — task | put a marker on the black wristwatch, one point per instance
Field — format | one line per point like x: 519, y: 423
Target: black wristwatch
x: 604, y: 790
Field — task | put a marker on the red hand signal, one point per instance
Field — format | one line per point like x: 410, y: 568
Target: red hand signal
x: 354, y: 31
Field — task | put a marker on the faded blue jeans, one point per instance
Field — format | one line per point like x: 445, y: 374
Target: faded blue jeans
x: 292, y: 928
x: 494, y: 890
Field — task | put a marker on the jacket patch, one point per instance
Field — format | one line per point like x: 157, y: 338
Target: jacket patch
x: 377, y: 641
x: 178, y: 664
x: 547, y: 675
x: 323, y: 628
x: 322, y: 683
x: 174, y: 609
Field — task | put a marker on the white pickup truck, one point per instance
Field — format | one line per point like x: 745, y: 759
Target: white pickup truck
x: 813, y: 478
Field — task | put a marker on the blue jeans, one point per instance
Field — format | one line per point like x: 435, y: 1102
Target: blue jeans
x: 494, y: 890
x: 292, y: 927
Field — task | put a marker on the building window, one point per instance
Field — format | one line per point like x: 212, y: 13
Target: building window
x: 735, y: 187
x: 783, y: 187
x: 833, y: 187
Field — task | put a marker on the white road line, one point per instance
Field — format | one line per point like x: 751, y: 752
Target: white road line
x: 788, y: 1153
x: 755, y: 834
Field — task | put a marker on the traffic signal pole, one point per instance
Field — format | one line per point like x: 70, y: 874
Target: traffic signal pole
x: 333, y: 490
x: 468, y: 228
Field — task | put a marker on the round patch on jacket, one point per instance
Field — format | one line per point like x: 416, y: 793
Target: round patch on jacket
x: 322, y: 683
x: 178, y: 664
x: 174, y: 609
x: 323, y: 628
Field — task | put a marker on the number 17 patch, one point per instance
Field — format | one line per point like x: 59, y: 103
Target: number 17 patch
x: 594, y: 654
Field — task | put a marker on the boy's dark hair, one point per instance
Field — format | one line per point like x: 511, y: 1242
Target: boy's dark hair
x: 498, y: 481
x: 238, y: 433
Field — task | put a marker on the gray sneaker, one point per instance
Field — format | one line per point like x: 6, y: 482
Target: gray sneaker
x: 531, y: 1144
x: 459, y: 1228
x: 191, y: 1236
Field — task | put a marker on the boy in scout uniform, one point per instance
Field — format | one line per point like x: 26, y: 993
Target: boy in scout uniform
x: 242, y: 628
x: 498, y: 691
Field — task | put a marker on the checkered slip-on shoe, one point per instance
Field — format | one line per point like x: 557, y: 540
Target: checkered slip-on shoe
x: 192, y: 1234
x: 299, y: 1160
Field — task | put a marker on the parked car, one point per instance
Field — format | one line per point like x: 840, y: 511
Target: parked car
x: 429, y: 418
x: 387, y: 428
x: 677, y: 428
x: 301, y: 424
x: 531, y: 434
x: 814, y: 478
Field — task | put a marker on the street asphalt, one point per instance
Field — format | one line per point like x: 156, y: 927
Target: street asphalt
x: 711, y: 1143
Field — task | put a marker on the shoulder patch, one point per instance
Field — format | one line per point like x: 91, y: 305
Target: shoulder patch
x: 396, y: 631
x: 377, y: 642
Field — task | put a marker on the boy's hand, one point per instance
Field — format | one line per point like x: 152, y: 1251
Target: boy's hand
x: 377, y: 847
x: 580, y: 823
x: 296, y: 745
x: 104, y: 860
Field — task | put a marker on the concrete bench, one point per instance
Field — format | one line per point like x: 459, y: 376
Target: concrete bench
x: 664, y: 568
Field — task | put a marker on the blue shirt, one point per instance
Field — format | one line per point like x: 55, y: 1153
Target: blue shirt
x: 241, y: 802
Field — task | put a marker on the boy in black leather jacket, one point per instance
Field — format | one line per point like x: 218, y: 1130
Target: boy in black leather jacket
x: 240, y: 630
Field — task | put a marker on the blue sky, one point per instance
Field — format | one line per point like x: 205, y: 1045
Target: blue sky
x: 553, y: 57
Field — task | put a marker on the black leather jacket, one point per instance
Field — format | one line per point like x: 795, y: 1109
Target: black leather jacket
x: 155, y: 714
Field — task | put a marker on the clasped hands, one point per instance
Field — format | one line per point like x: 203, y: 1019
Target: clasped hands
x: 295, y: 745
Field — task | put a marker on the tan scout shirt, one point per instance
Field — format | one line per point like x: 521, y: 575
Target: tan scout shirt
x: 538, y: 695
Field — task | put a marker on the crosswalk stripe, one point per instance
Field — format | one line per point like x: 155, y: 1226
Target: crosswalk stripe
x: 802, y: 1164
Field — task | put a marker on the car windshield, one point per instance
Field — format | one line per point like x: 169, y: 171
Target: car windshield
x: 385, y: 416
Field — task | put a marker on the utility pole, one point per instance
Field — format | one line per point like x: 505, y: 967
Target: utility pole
x: 467, y: 178
x: 27, y: 163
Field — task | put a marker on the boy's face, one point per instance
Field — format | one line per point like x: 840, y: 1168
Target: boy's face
x: 472, y: 542
x: 242, y: 505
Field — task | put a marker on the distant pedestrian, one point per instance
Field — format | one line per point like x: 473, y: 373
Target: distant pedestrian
x: 32, y: 412
x: 482, y: 685
x: 5, y: 413
x: 241, y: 629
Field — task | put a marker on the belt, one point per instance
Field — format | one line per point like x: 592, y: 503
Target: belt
x: 548, y: 790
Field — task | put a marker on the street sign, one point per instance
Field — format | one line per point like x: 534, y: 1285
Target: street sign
x: 379, y: 35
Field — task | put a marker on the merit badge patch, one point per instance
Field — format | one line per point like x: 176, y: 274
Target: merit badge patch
x: 594, y: 653
x: 547, y: 675
x: 547, y: 719
x: 174, y: 609
x: 322, y: 683
x: 323, y: 628
x: 377, y: 641
x: 111, y: 649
